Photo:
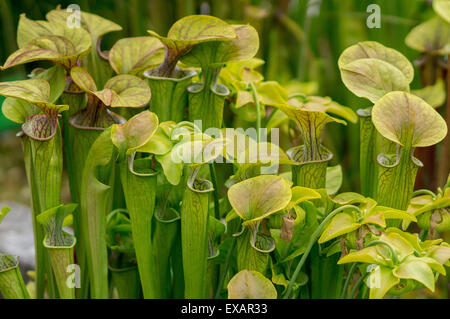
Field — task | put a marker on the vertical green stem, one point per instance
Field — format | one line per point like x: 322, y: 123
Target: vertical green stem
x: 43, y: 161
x: 367, y: 160
x: 76, y: 148
x: 357, y: 285
x: 225, y: 269
x: 312, y: 175
x: 311, y: 243
x: 312, y: 157
x: 444, y: 162
x: 40, y: 253
x: 258, y: 110
x: 169, y: 95
x: 96, y: 201
x: 347, y: 280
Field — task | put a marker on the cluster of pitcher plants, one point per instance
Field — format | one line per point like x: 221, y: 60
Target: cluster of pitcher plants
x: 167, y: 202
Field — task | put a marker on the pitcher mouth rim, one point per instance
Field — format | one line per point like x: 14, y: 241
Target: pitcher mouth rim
x: 187, y: 75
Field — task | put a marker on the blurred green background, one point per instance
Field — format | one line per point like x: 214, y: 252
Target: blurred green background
x: 299, y: 39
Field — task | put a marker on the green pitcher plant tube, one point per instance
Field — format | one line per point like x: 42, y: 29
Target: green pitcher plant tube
x: 95, y: 27
x: 410, y: 122
x: 12, y: 285
x: 75, y: 157
x: 169, y: 193
x: 60, y: 246
x: 142, y: 135
x: 367, y: 162
x: 97, y: 186
x: 165, y: 243
x: 207, y: 98
x: 371, y: 144
x: 370, y: 70
x: 196, y: 150
x: 55, y: 40
x: 85, y: 39
x: 92, y: 28
x: 29, y: 105
x: 170, y: 97
x: 121, y: 91
x: 194, y: 234
x: 139, y: 184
